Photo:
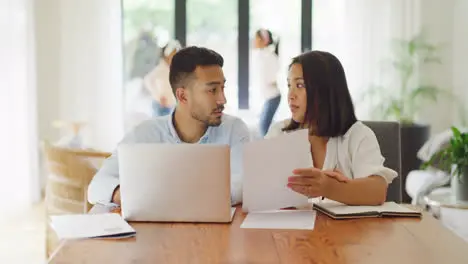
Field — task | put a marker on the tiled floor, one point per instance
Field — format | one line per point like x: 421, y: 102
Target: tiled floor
x: 22, y: 236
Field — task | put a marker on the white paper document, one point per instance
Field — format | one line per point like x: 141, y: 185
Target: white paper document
x: 80, y: 226
x: 281, y: 219
x: 267, y: 166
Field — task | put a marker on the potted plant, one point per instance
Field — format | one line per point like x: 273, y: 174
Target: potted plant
x: 454, y: 159
x: 403, y: 101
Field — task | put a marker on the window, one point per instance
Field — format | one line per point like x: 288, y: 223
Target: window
x: 213, y: 24
x: 147, y: 26
x: 283, y: 19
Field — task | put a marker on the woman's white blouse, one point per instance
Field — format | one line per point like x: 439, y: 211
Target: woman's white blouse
x: 356, y: 154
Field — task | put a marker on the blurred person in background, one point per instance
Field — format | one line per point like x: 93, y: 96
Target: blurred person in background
x: 265, y: 67
x: 157, y: 83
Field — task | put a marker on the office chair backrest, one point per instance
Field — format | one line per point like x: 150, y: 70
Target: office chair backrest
x: 388, y: 135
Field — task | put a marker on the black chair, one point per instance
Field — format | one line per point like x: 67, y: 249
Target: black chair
x: 388, y: 135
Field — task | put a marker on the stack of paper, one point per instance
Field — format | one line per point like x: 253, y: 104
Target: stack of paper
x: 79, y: 226
x: 281, y: 219
x: 267, y: 166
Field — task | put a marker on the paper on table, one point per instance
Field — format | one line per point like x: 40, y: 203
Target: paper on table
x: 91, y: 226
x: 267, y: 165
x: 281, y: 219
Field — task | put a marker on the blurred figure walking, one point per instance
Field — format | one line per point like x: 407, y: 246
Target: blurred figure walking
x: 157, y: 81
x: 265, y: 67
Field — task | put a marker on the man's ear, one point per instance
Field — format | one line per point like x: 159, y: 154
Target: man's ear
x: 181, y: 95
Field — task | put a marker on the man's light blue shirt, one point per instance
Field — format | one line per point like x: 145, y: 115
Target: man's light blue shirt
x: 232, y: 131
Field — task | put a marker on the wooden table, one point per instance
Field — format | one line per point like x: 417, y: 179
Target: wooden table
x: 361, y: 241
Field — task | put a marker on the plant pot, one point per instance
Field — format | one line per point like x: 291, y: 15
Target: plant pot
x: 413, y: 137
x: 459, y: 186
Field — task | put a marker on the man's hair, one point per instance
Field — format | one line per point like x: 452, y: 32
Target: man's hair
x: 329, y: 103
x: 186, y: 60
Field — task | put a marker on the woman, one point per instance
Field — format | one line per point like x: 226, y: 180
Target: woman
x: 157, y: 81
x: 347, y: 162
x: 265, y: 65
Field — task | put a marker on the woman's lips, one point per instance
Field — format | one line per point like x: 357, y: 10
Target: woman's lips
x: 293, y: 108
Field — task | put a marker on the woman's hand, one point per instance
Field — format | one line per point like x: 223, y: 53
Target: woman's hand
x: 313, y: 182
x: 337, y: 175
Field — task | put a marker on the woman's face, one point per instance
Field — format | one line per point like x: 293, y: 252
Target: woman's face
x: 297, y: 96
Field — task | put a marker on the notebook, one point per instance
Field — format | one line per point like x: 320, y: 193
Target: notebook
x: 338, y: 210
x: 79, y: 226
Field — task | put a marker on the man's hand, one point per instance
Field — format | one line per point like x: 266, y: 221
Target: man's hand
x: 116, y: 196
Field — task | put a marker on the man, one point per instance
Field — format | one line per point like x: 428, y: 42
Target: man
x: 197, y: 81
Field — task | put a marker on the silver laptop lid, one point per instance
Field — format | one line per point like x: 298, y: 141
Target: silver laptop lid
x: 175, y: 182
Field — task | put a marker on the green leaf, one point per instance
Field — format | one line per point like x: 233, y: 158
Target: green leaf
x: 426, y: 92
x: 412, y: 46
x: 456, y: 133
x: 392, y: 109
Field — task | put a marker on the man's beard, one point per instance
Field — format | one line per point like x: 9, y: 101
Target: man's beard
x: 208, y: 120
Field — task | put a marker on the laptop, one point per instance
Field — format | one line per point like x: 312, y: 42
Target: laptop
x: 175, y: 183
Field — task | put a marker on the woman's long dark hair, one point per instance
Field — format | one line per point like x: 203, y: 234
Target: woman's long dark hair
x: 329, y: 104
x: 260, y: 33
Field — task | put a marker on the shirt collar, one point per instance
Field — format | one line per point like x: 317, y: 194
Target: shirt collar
x: 173, y: 132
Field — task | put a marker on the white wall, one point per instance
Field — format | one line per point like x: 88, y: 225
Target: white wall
x: 447, y: 23
x: 18, y: 137
x: 47, y: 27
x: 460, y: 55
x: 80, y: 68
x: 437, y: 19
x: 359, y: 33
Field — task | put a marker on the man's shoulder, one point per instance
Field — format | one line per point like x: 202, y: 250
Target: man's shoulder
x: 152, y: 125
x: 233, y: 122
x: 230, y: 119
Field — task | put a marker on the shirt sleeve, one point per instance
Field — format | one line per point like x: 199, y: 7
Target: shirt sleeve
x: 103, y: 184
x: 240, y: 136
x: 368, y: 160
x: 275, y: 130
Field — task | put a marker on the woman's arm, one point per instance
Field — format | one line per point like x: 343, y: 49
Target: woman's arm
x: 370, y: 177
x: 370, y: 190
x: 313, y: 182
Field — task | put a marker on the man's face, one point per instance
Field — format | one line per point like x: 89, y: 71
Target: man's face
x: 206, y: 98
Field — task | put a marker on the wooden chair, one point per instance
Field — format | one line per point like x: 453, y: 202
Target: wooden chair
x: 69, y: 174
